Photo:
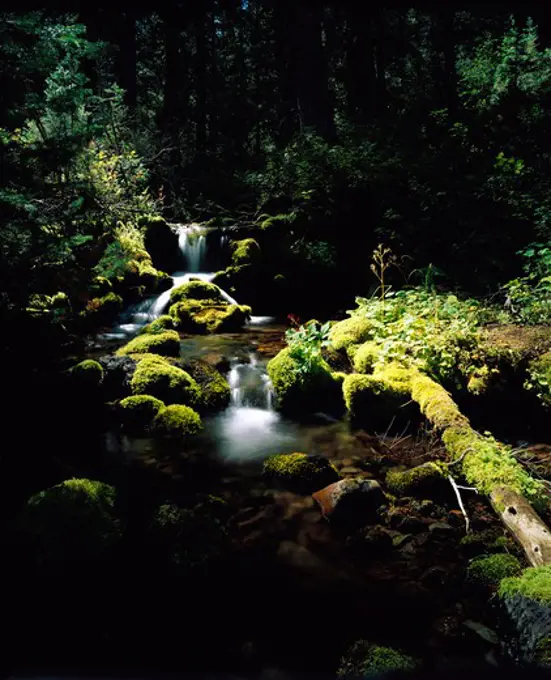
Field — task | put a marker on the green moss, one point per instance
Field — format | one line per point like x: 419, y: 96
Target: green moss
x: 297, y: 392
x: 215, y: 389
x: 479, y: 380
x: 101, y: 286
x: 436, y: 403
x: 366, y: 660
x: 104, y: 308
x: 355, y: 330
x: 245, y: 251
x: 196, y: 290
x: 534, y: 583
x: 137, y: 413
x: 300, y: 472
x: 542, y: 652
x: 154, y: 280
x: 365, y: 356
x: 274, y: 221
x: 362, y: 392
x: 189, y: 537
x: 73, y: 520
x: 168, y: 383
x: 208, y: 316
x: 491, y: 569
x: 176, y: 421
x: 539, y: 378
x: 161, y: 343
x: 488, y: 464
x: 163, y: 323
x: 415, y: 480
x: 89, y: 372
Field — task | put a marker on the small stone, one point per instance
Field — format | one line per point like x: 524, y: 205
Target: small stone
x: 440, y: 528
x: 411, y: 523
x: 351, y: 501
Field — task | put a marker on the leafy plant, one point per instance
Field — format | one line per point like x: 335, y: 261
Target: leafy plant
x: 306, y: 343
x: 529, y: 297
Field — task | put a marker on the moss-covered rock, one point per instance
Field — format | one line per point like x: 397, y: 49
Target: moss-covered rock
x: 176, y: 421
x: 367, y: 660
x: 167, y: 343
x: 299, y: 472
x: 245, y: 251
x: 196, y: 290
x: 491, y: 569
x: 117, y: 375
x: 159, y: 325
x: 189, y: 537
x: 168, y: 383
x: 137, y: 413
x: 203, y: 317
x: 161, y: 242
x: 365, y: 356
x: 100, y: 286
x: 215, y: 389
x: 88, y: 372
x: 72, y: 521
x: 153, y: 280
x: 304, y: 392
x: 103, y: 310
x: 415, y: 481
x: 534, y: 584
x: 355, y: 330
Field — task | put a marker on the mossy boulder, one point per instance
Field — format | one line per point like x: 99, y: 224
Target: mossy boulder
x: 160, y: 325
x: 215, y: 389
x: 71, y: 522
x: 204, y: 317
x: 245, y: 251
x: 100, y: 286
x: 170, y: 384
x: 534, y: 584
x: 299, y: 392
x: 161, y: 243
x: 365, y: 356
x: 299, y: 472
x: 351, y: 502
x: 137, y: 413
x: 117, y: 376
x: 189, y: 537
x: 88, y: 372
x: 166, y: 343
x: 417, y: 481
x: 153, y: 280
x: 103, y: 310
x: 196, y: 290
x: 367, y: 660
x: 176, y: 422
x: 354, y: 330
x: 490, y: 570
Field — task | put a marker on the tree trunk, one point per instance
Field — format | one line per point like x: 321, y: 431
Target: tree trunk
x: 524, y: 523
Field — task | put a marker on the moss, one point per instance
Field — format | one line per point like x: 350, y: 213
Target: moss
x: 479, y: 380
x: 73, y: 520
x: 274, y: 221
x: 534, y: 583
x: 101, y: 286
x: 300, y: 472
x: 413, y: 481
x: 366, y: 660
x: 215, y: 389
x: 245, y: 251
x: 89, y: 372
x: 168, y: 383
x: 362, y: 392
x: 196, y: 290
x: 297, y: 392
x: 542, y: 652
x: 539, y: 380
x: 491, y: 569
x: 154, y: 280
x: 162, y: 343
x: 203, y: 317
x: 137, y: 413
x: 153, y: 357
x: 355, y: 330
x: 488, y: 464
x: 436, y: 403
x: 365, y: 356
x: 104, y: 308
x: 176, y: 421
x: 163, y: 323
x: 189, y: 537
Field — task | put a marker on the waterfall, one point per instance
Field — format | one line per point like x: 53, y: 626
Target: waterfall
x: 192, y: 242
x: 250, y: 386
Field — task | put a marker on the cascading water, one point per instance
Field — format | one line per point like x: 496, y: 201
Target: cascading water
x: 250, y: 385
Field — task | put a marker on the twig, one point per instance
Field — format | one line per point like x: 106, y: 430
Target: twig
x: 460, y: 501
x: 454, y: 462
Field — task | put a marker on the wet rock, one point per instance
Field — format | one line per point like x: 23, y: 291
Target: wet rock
x: 117, y: 374
x: 440, y: 528
x: 427, y: 508
x: 217, y: 361
x: 435, y: 577
x: 411, y: 524
x: 351, y: 501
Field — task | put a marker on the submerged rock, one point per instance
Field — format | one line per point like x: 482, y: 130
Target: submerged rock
x: 351, y: 501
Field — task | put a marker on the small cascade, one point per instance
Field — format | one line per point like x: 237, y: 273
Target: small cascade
x: 192, y: 242
x: 250, y: 386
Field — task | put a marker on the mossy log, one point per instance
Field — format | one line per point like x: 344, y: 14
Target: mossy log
x: 524, y: 523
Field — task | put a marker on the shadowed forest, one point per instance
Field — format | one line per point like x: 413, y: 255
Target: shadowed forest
x: 275, y: 291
